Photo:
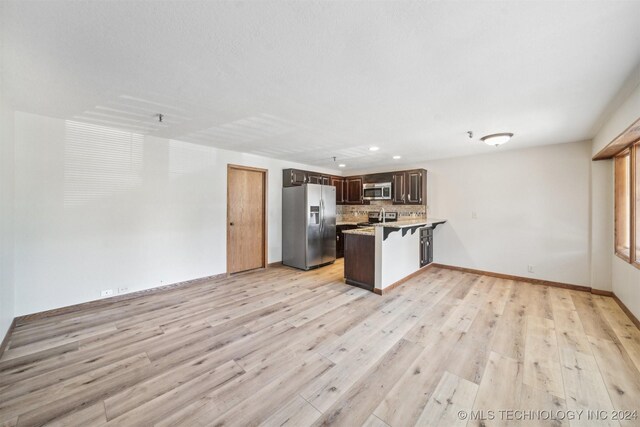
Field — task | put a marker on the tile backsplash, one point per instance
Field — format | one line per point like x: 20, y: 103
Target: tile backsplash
x: 361, y: 212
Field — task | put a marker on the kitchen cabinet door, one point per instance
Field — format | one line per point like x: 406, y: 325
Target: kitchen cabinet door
x: 426, y: 246
x: 313, y: 178
x: 339, y: 183
x: 293, y: 177
x: 354, y: 190
x: 415, y: 187
x: 340, y: 238
x: 399, y: 180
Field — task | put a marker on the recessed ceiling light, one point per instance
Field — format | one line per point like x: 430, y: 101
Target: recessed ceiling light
x: 374, y: 148
x: 397, y: 157
x: 496, y: 138
x: 342, y: 165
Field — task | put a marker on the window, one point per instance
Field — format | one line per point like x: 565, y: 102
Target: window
x: 636, y: 173
x: 627, y: 204
x: 623, y: 204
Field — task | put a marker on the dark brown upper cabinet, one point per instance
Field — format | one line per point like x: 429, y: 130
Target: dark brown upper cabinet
x: 415, y: 187
x: 314, y: 178
x: 339, y: 183
x: 398, y: 186
x: 410, y: 187
x: 377, y: 178
x: 354, y: 190
x: 293, y: 177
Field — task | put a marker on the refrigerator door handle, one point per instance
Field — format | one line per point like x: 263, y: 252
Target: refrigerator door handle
x: 321, y: 217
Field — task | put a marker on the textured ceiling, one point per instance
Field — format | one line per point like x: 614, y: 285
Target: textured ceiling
x: 307, y: 81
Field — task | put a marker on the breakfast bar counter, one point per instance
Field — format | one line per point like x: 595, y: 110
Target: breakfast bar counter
x: 383, y: 255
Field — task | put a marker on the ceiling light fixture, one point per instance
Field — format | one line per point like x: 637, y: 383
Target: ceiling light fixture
x: 397, y: 157
x: 374, y: 148
x: 496, y: 139
x: 342, y: 165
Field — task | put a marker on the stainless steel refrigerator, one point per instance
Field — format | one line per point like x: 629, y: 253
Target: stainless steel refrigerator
x: 308, y: 225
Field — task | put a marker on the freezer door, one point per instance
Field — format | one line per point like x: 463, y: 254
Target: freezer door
x: 294, y: 227
x: 313, y: 213
x: 328, y: 231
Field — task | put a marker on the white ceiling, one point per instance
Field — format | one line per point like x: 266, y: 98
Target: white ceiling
x: 307, y: 81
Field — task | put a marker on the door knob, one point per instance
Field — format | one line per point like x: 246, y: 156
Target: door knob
x: 230, y: 223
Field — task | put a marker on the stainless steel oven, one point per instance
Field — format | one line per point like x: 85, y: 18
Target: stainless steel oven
x: 380, y: 191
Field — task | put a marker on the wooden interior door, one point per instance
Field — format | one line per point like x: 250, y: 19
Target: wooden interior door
x: 246, y: 218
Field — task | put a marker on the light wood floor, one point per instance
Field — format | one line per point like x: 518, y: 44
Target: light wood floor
x: 284, y: 347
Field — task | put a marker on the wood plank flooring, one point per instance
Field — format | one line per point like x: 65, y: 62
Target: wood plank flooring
x: 285, y: 347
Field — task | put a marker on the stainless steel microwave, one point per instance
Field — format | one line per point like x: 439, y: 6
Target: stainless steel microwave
x: 381, y: 191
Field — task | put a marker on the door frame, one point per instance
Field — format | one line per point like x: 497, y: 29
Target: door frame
x: 265, y: 225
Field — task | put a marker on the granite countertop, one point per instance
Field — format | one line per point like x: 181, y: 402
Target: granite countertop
x: 366, y: 231
x: 347, y: 222
x: 413, y: 222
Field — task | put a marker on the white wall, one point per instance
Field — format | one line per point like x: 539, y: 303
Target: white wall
x: 532, y: 208
x: 6, y: 219
x: 601, y: 224
x: 6, y: 202
x: 396, y: 257
x: 100, y: 209
x: 624, y: 278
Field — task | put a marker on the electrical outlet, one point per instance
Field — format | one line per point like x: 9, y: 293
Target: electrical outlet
x: 107, y: 293
x: 531, y: 269
x: 474, y: 215
x: 123, y: 290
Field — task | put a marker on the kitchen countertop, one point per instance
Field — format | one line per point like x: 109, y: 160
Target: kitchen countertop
x: 346, y: 223
x: 413, y: 222
x: 364, y: 231
x: 405, y: 223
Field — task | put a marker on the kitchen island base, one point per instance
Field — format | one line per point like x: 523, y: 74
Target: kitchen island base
x: 383, y: 256
x: 359, y: 260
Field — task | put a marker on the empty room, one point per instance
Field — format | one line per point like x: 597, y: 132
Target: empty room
x: 305, y: 213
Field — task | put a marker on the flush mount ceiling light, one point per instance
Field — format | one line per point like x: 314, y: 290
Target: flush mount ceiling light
x: 496, y: 139
x: 374, y: 148
x: 342, y: 165
x: 397, y: 157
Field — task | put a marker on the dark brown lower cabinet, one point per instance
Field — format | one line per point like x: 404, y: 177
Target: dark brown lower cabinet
x: 359, y: 260
x: 340, y: 238
x: 426, y: 246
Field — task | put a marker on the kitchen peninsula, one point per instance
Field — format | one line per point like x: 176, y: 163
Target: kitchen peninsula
x: 381, y: 256
x: 382, y: 227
